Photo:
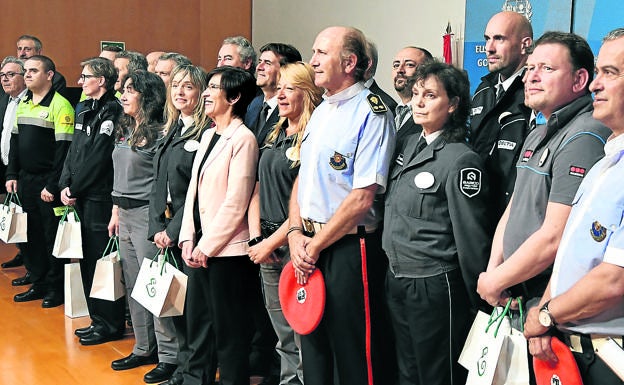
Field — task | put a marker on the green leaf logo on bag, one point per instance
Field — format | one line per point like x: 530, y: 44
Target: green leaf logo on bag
x: 482, y: 362
x: 2, y: 224
x: 151, y: 288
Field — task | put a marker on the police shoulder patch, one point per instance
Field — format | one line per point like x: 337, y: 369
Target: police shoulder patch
x: 107, y: 127
x: 376, y: 104
x: 470, y: 182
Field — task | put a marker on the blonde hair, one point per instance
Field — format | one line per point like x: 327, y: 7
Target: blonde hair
x: 198, y: 78
x: 300, y: 75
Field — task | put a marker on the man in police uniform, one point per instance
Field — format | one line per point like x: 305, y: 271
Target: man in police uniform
x: 586, y: 291
x: 345, y: 157
x: 499, y: 118
x: 555, y: 158
x: 39, y: 142
x: 87, y: 182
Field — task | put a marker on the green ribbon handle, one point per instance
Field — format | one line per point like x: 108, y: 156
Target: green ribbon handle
x: 498, y: 319
x: 519, y: 299
x: 12, y: 198
x: 166, y: 258
x: 111, y: 246
x: 66, y: 211
x: 17, y: 200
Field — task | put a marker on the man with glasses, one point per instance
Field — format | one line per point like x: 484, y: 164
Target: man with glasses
x: 39, y: 141
x: 14, y: 87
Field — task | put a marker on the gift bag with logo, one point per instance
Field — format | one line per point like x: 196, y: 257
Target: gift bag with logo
x: 68, y: 241
x: 160, y: 287
x: 13, y: 223
x: 75, y: 301
x: 494, y: 352
x: 108, y: 279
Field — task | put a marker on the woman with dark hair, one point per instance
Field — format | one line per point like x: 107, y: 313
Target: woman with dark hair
x: 186, y: 122
x: 137, y: 133
x: 437, y: 231
x: 297, y: 97
x: 215, y: 231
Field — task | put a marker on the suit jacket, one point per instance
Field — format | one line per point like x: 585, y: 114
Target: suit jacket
x: 224, y: 184
x: 252, y: 116
x: 408, y: 129
x: 173, y: 163
x: 387, y: 99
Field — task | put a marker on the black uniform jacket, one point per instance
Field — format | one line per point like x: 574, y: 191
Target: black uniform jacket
x: 172, y: 169
x: 436, y: 213
x: 497, y: 133
x: 88, y: 167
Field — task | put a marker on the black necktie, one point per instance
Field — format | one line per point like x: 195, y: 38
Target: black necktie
x: 263, y: 117
x: 422, y: 143
x: 500, y: 91
x: 401, y: 112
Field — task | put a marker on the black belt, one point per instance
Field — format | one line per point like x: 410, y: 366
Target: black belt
x: 267, y: 228
x: 128, y: 203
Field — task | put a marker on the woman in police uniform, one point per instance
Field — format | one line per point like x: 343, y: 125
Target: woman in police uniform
x: 436, y: 231
x: 278, y: 167
x: 186, y: 122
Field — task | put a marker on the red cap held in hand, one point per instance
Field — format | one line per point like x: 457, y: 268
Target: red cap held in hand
x: 302, y: 305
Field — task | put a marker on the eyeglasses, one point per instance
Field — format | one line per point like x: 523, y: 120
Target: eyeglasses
x: 84, y: 77
x: 213, y: 87
x: 10, y: 75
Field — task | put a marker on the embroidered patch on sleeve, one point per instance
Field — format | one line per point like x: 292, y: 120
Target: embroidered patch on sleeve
x: 577, y: 171
x: 470, y: 182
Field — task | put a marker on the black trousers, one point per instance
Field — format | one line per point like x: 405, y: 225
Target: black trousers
x: 107, y: 316
x: 431, y: 318
x: 231, y: 290
x: 335, y: 353
x: 197, y: 355
x: 46, y: 270
x: 594, y: 371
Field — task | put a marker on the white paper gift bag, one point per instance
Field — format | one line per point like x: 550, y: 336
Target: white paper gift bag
x: 13, y: 221
x: 75, y: 301
x: 108, y: 281
x: 68, y: 241
x: 494, y: 352
x: 160, y: 287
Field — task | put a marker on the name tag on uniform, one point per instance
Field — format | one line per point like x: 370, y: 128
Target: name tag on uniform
x: 476, y: 111
x: 506, y: 145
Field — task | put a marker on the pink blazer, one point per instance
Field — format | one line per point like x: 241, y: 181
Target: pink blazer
x: 224, y: 184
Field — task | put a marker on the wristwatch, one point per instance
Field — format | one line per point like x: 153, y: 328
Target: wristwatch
x: 545, y: 318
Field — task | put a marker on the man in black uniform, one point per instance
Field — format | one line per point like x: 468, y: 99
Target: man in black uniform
x: 499, y: 118
x: 87, y: 182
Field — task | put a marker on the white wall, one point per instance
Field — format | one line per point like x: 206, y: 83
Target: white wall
x: 391, y: 24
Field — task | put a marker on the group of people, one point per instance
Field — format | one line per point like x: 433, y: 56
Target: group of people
x: 417, y: 213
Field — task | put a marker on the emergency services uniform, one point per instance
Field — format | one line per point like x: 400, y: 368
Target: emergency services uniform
x: 437, y: 235
x: 555, y: 158
x: 276, y: 177
x: 497, y: 132
x: 39, y: 142
x: 593, y: 234
x: 347, y: 145
x: 88, y: 172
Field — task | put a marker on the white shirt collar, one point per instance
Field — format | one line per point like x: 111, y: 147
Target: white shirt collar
x: 345, y: 94
x: 431, y: 137
x: 509, y: 80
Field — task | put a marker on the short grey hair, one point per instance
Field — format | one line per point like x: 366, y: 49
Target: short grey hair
x: 136, y: 60
x: 245, y: 49
x: 14, y: 60
x: 613, y: 35
x: 178, y: 58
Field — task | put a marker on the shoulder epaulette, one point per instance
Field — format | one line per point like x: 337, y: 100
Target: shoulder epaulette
x: 376, y: 104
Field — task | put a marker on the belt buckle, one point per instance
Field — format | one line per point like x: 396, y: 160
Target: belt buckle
x: 308, y: 225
